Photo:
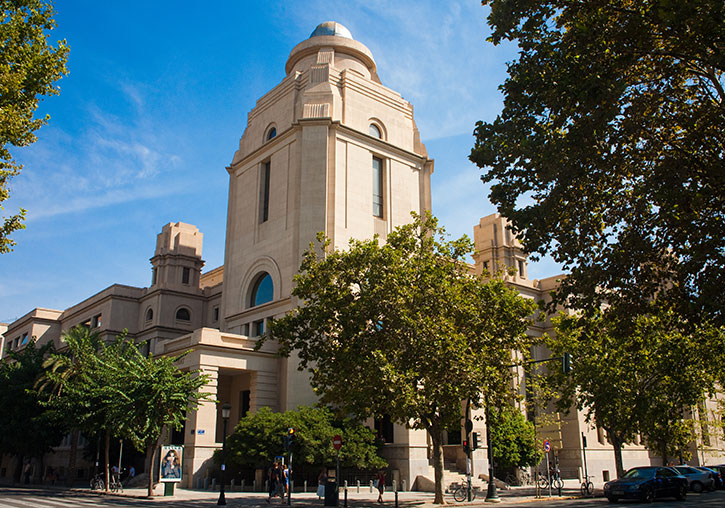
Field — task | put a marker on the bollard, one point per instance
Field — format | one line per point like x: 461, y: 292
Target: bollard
x: 291, y: 485
x: 206, y: 483
x: 395, y: 486
x: 396, y: 498
x: 213, y: 484
x: 402, y: 486
x: 199, y: 483
x: 241, y: 487
x: 254, y: 485
x: 345, y: 493
x: 371, y: 486
x: 358, y: 486
x: 231, y: 485
x: 266, y: 485
x: 305, y: 485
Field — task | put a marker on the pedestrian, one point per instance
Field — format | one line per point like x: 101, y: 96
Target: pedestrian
x: 273, y: 481
x: 132, y: 472
x: 26, y: 473
x: 380, y: 481
x: 321, y: 482
x: 285, y: 479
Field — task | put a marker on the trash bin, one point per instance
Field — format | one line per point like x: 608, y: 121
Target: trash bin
x: 331, y: 493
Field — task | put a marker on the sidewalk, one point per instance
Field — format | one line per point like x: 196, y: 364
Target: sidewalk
x: 363, y: 498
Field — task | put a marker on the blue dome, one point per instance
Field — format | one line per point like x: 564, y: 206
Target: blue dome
x: 331, y: 28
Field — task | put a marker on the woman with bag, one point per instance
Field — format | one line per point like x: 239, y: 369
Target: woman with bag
x: 321, y: 482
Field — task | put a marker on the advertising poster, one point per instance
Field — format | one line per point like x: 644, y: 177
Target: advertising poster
x: 171, y: 460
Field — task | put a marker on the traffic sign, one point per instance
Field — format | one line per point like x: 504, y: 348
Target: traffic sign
x: 547, y: 445
x: 337, y: 442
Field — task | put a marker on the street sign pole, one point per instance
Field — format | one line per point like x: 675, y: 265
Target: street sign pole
x: 337, y: 443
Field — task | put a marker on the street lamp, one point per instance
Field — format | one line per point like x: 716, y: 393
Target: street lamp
x: 226, y: 410
x: 491, y: 494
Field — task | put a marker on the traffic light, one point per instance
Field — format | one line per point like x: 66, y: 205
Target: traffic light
x: 466, y: 448
x: 475, y: 441
x: 290, y: 437
x: 566, y: 363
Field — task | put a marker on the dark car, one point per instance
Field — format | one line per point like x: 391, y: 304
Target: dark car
x: 647, y: 483
x: 720, y: 469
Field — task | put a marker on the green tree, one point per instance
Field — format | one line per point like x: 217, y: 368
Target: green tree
x: 27, y: 428
x: 608, y: 153
x: 404, y: 329
x: 257, y: 438
x: 153, y: 395
x: 513, y: 438
x: 633, y: 375
x: 29, y: 67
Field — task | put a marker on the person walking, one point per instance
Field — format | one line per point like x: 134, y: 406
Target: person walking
x: 274, y: 476
x: 321, y: 482
x: 285, y: 480
x: 380, y: 480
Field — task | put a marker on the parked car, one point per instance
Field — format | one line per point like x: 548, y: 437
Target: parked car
x: 720, y: 468
x: 714, y: 473
x: 697, y: 479
x: 647, y: 483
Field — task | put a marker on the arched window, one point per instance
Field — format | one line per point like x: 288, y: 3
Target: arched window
x: 263, y: 290
x: 183, y: 314
x: 272, y: 132
x: 149, y: 314
x: 375, y: 131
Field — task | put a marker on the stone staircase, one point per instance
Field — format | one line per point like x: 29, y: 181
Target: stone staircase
x: 451, y: 476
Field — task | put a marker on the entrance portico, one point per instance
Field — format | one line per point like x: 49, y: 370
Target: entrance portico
x: 245, y: 378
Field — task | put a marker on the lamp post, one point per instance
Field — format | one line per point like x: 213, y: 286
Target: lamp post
x: 491, y: 494
x: 226, y: 410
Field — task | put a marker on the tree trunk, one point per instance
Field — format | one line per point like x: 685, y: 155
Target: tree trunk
x: 106, y: 457
x: 150, y: 458
x: 617, y: 444
x: 436, y: 437
x: 665, y: 458
x: 72, y: 458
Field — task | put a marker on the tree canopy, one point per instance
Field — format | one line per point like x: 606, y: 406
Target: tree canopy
x: 29, y: 67
x: 608, y: 153
x: 513, y: 438
x: 27, y: 429
x: 638, y: 375
x: 257, y: 438
x: 404, y: 329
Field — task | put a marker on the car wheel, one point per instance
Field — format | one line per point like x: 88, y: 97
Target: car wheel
x: 696, y: 487
x: 682, y: 493
x: 649, y: 495
x: 612, y: 499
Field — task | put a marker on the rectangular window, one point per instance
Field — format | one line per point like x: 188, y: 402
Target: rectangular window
x: 185, y: 272
x: 24, y: 339
x: 216, y: 313
x: 258, y: 328
x: 153, y: 276
x: 521, y: 269
x: 96, y: 321
x: 377, y: 187
x: 264, y: 193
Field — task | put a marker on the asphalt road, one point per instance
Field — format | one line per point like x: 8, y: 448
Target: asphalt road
x: 11, y: 497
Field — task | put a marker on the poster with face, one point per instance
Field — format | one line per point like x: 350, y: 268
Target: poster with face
x: 170, y: 466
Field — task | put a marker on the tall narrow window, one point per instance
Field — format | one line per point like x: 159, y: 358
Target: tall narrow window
x: 377, y: 187
x: 185, y: 272
x: 153, y: 276
x: 264, y: 193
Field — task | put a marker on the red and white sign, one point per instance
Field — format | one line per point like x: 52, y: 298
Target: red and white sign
x: 547, y: 445
x: 337, y: 442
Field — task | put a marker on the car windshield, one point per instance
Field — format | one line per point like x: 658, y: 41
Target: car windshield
x: 640, y: 472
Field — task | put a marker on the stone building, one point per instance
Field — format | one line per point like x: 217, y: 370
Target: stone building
x: 330, y: 149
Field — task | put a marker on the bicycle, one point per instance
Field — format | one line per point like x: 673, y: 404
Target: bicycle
x: 460, y: 492
x: 587, y: 487
x: 115, y: 484
x: 556, y: 482
x: 97, y: 483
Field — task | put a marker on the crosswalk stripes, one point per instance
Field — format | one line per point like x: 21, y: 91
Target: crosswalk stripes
x: 49, y: 501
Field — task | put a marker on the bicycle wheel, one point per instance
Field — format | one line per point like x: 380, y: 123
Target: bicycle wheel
x: 543, y: 482
x: 587, y: 488
x: 558, y: 483
x: 460, y: 494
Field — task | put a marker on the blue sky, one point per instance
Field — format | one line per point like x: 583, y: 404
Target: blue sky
x: 156, y: 101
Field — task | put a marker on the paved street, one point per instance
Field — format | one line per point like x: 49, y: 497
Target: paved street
x: 16, y: 497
